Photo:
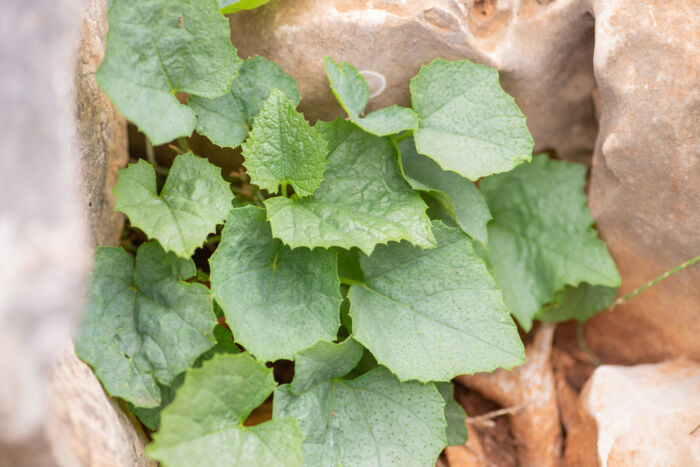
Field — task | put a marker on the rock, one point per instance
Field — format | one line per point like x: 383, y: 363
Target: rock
x: 470, y: 455
x: 645, y: 415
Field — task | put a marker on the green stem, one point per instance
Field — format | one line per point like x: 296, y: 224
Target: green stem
x: 213, y: 239
x: 283, y: 189
x: 404, y: 135
x: 350, y: 282
x: 182, y: 142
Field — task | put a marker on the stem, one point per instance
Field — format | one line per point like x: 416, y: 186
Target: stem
x: 350, y: 282
x: 404, y: 135
x: 583, y: 345
x: 283, y: 189
x: 150, y: 153
x: 655, y: 281
x: 212, y: 239
x: 184, y: 147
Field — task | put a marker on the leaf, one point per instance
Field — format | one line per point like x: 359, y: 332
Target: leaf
x: 225, y: 120
x: 159, y: 48
x: 228, y: 6
x: 352, y: 92
x: 468, y: 124
x: 579, y: 303
x: 433, y: 314
x: 204, y: 424
x: 283, y: 148
x: 193, y: 201
x: 542, y: 237
x: 372, y: 420
x: 324, y: 361
x: 277, y: 301
x: 143, y: 324
x: 362, y: 202
x: 456, y: 431
x: 457, y: 195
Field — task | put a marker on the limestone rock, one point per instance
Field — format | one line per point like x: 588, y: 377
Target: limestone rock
x: 646, y: 415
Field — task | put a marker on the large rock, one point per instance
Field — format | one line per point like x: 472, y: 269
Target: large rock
x: 644, y: 415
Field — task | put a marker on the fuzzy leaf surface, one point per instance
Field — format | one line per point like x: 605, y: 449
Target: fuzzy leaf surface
x: 363, y: 200
x: 228, y: 6
x: 283, y: 148
x: 468, y: 124
x: 433, y: 314
x: 204, y: 424
x: 143, y: 324
x: 352, y: 92
x: 193, y: 201
x: 373, y: 420
x: 277, y: 301
x: 542, y: 236
x: 159, y: 48
x: 456, y: 431
x: 458, y: 196
x: 324, y: 361
x: 226, y: 120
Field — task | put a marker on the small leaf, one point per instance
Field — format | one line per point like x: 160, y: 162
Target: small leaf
x: 362, y: 202
x: 324, y: 361
x: 226, y: 120
x: 455, y: 416
x: 579, y: 303
x: 542, y: 237
x: 193, y: 201
x: 458, y: 196
x: 233, y: 6
x: 283, y: 148
x: 150, y: 416
x: 204, y: 424
x: 433, y: 314
x: 143, y: 324
x: 352, y: 92
x: 277, y: 300
x: 371, y: 420
x: 468, y: 124
x: 159, y: 48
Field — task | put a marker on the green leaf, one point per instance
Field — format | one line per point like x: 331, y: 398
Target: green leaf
x: 468, y: 124
x: 324, y: 361
x: 143, y: 324
x: 579, y: 303
x: 226, y: 120
x: 224, y: 344
x: 542, y: 237
x: 193, y: 201
x: 371, y: 420
x: 433, y: 314
x: 277, y: 300
x: 456, y: 431
x: 352, y: 92
x: 362, y: 202
x: 228, y: 6
x: 458, y: 196
x: 283, y: 148
x: 204, y: 424
x: 159, y: 48
x: 150, y: 416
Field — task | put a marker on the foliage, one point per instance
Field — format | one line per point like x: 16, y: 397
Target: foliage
x: 372, y: 259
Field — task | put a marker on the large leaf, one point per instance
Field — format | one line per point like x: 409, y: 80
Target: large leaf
x: 456, y: 431
x: 159, y: 48
x: 433, y: 314
x: 193, y: 201
x: 277, y: 300
x: 458, y: 196
x: 143, y: 324
x: 579, y: 303
x: 372, y: 420
x: 542, y: 237
x: 468, y: 124
x: 362, y: 202
x: 283, y: 148
x: 351, y: 90
x: 204, y: 424
x: 226, y: 120
x: 233, y: 6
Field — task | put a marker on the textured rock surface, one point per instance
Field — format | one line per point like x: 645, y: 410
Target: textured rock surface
x: 646, y: 415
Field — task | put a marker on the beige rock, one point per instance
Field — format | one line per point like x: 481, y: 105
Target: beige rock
x: 646, y: 415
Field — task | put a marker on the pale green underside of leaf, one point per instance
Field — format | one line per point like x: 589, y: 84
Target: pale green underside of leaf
x: 433, y: 314
x: 542, y: 237
x: 468, y: 124
x: 579, y: 303
x: 352, y: 92
x: 277, y: 301
x: 158, y: 48
x: 193, y: 201
x: 458, y: 196
x: 373, y: 420
x: 283, y: 148
x: 324, y: 361
x: 143, y: 324
x: 363, y: 201
x: 228, y: 6
x: 226, y: 120
x: 204, y: 424
x: 456, y: 431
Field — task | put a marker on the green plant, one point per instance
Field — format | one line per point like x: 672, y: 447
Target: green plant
x: 373, y: 261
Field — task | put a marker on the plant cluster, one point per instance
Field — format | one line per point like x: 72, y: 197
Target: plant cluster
x: 375, y: 263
